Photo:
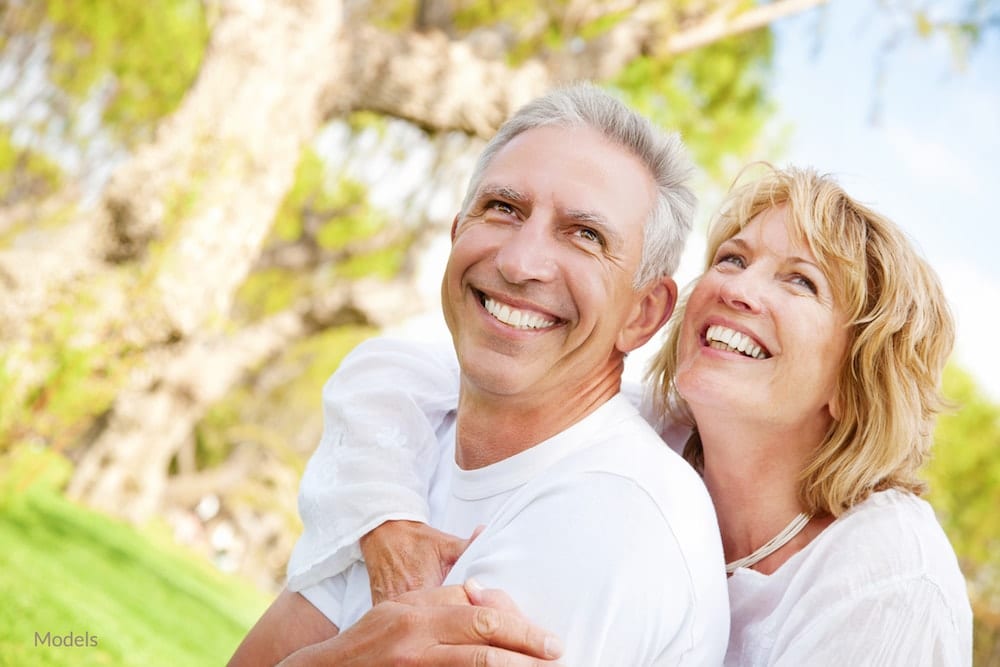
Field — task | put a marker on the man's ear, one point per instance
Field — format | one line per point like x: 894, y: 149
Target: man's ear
x: 649, y: 314
x: 454, y: 227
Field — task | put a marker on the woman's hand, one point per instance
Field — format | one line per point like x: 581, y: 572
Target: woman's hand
x: 406, y: 556
x: 454, y: 625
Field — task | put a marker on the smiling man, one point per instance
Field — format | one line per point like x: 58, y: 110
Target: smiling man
x: 560, y: 265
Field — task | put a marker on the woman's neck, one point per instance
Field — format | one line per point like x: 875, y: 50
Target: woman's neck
x: 753, y: 475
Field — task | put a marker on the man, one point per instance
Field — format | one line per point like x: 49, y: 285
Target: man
x: 560, y: 265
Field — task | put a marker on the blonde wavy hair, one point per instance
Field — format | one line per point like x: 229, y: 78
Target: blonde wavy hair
x: 901, y: 333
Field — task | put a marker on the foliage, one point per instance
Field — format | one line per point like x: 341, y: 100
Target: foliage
x: 25, y: 173
x: 963, y: 24
x: 150, y: 51
x: 964, y: 479
x: 716, y: 97
x: 323, y: 214
x: 76, y: 379
x: 964, y: 474
x: 280, y: 406
x: 65, y: 569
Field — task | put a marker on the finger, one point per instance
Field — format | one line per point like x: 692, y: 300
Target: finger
x: 481, y: 656
x: 450, y: 548
x: 489, y: 597
x: 435, y: 597
x: 502, y: 629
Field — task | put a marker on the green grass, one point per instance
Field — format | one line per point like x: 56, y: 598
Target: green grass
x: 65, y: 569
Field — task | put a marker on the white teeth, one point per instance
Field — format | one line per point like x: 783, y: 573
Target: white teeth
x: 734, y: 341
x: 519, y: 319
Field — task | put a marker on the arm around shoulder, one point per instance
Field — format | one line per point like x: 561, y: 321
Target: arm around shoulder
x: 381, y: 410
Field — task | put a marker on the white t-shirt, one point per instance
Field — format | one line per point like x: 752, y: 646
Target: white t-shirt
x: 601, y: 534
x: 880, y: 586
x: 888, y: 553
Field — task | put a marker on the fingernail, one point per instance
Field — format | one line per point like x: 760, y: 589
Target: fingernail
x: 473, y: 588
x: 553, y: 647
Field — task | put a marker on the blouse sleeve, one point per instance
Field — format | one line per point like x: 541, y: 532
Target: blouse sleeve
x: 903, y: 621
x: 379, y: 447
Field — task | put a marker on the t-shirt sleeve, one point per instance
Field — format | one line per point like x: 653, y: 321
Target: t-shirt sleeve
x: 592, y: 559
x: 377, y: 453
x: 902, y: 621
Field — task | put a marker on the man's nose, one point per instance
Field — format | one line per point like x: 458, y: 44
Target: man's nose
x: 528, y: 253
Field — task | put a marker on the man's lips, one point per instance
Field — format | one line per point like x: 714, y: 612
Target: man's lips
x: 518, y: 318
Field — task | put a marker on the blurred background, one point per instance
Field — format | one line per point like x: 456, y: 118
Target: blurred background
x: 204, y: 204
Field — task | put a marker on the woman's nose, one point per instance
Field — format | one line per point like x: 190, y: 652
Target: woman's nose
x: 741, y: 291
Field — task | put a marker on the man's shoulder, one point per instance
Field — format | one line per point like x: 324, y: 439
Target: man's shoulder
x: 626, y: 445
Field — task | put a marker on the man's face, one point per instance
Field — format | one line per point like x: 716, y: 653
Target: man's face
x: 538, y: 286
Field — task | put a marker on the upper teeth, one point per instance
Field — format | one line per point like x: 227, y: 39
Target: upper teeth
x: 734, y: 341
x: 519, y: 319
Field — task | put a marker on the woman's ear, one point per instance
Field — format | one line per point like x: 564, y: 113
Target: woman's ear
x: 834, y: 406
x: 649, y: 314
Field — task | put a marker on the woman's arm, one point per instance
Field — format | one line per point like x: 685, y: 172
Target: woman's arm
x: 381, y: 410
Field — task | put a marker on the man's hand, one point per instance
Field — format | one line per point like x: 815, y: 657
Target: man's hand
x: 438, y: 626
x: 406, y: 556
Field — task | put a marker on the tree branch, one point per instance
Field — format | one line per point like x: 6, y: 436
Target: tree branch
x: 426, y: 78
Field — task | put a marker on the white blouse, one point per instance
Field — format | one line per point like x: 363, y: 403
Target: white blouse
x: 880, y: 586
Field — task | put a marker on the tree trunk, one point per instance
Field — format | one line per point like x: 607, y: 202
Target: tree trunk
x: 207, y: 188
x: 190, y: 211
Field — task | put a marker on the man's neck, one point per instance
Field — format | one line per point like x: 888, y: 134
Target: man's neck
x: 491, y: 428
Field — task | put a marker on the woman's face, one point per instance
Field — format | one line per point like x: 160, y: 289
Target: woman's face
x: 762, y: 338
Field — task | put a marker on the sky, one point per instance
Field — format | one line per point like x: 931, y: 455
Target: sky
x: 921, y: 148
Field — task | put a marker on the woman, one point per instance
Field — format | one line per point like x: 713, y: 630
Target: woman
x: 805, y: 363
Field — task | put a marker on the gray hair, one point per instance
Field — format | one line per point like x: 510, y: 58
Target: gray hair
x: 663, y: 154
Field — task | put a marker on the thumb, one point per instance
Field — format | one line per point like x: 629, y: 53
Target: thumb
x: 489, y: 597
x: 451, y: 550
x: 476, y: 533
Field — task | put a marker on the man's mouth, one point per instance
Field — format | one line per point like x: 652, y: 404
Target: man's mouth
x: 518, y: 319
x: 719, y: 337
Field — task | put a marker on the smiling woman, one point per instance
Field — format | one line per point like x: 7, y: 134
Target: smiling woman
x: 811, y: 447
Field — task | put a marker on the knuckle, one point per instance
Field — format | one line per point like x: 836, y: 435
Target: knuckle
x: 486, y: 622
x: 487, y: 657
x: 405, y: 618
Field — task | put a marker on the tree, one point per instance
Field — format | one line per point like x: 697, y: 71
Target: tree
x: 964, y: 479
x: 136, y: 318
x: 125, y: 326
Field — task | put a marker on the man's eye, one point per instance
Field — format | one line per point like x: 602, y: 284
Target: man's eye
x: 588, y: 234
x: 502, y: 207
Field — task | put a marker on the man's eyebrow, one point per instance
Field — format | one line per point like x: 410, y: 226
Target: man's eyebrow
x: 501, y: 192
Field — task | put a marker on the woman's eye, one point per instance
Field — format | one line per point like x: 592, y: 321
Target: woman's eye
x: 802, y: 281
x: 736, y: 260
